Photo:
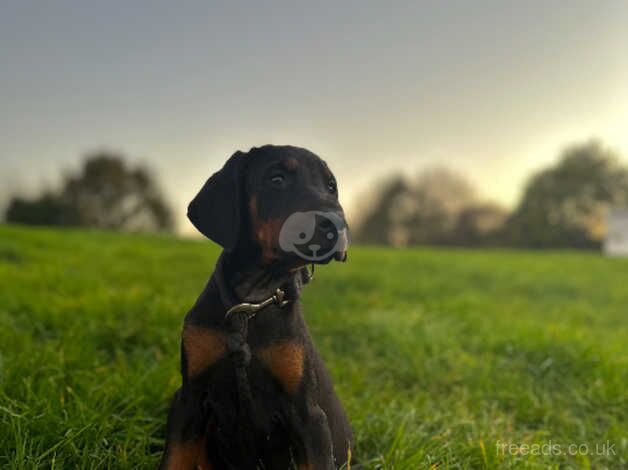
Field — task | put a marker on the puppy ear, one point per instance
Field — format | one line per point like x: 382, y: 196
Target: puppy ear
x: 216, y: 210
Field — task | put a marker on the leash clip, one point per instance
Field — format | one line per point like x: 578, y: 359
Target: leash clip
x: 251, y: 309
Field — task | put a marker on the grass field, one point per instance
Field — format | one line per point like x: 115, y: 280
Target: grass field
x: 441, y: 357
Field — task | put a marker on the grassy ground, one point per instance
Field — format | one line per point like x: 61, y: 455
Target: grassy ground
x: 441, y: 357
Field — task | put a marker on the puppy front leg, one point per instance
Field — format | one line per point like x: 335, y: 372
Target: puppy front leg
x: 314, y: 451
x: 187, y: 422
x: 185, y: 441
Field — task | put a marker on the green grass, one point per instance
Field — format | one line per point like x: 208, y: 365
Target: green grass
x: 438, y: 355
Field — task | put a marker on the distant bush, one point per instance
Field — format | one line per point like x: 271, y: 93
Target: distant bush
x: 47, y: 209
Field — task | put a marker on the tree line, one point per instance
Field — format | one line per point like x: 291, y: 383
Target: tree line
x: 562, y: 206
x: 106, y: 193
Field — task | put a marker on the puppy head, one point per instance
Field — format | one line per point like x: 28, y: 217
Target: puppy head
x: 281, y: 199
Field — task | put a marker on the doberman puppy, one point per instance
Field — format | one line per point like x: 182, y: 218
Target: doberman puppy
x: 255, y: 392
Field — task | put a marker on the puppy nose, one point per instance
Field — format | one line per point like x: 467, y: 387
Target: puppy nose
x: 314, y: 247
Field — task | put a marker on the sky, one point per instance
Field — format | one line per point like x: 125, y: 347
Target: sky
x: 493, y: 90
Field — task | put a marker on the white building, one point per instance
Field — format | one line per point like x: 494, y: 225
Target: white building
x: 616, y: 242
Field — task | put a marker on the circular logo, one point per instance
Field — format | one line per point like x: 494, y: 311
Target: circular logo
x: 314, y: 235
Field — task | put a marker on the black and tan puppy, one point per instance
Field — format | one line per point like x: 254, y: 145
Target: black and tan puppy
x: 255, y: 392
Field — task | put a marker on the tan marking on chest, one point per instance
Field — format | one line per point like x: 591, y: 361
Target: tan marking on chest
x: 285, y: 362
x: 203, y: 347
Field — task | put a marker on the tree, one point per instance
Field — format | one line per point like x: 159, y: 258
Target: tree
x: 427, y: 211
x: 384, y: 221
x: 480, y: 225
x: 565, y: 205
x: 105, y: 194
x: 440, y: 195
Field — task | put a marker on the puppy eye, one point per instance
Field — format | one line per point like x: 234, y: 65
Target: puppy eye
x: 333, y: 188
x: 277, y: 179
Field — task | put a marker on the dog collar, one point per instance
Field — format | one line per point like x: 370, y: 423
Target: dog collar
x: 251, y: 309
x: 282, y: 296
x: 279, y: 298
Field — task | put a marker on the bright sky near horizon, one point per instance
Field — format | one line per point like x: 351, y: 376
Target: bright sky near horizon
x: 491, y: 89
